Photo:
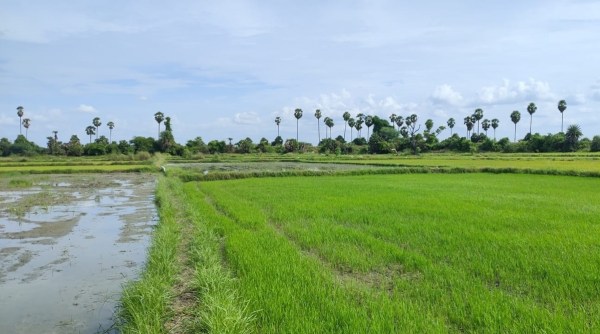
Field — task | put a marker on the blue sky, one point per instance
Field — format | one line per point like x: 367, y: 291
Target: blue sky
x: 227, y: 68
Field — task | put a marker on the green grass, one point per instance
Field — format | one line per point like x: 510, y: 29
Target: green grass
x: 411, y: 253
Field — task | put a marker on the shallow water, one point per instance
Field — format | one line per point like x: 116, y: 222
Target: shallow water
x: 67, y: 245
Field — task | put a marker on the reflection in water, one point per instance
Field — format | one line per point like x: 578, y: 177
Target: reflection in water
x: 65, y: 256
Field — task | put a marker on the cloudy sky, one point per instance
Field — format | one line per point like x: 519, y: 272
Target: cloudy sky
x: 224, y: 69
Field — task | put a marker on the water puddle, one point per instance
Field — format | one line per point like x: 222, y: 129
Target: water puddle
x: 67, y: 245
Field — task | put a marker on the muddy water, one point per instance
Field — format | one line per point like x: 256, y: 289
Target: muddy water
x: 67, y: 245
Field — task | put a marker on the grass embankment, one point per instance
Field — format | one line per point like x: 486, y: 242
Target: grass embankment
x: 185, y: 288
x: 408, y: 253
x: 70, y: 165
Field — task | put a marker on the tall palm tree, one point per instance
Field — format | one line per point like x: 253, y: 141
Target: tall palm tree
x: 478, y: 115
x: 298, y: 115
x: 531, y: 108
x: 562, y: 106
x: 159, y: 117
x: 368, y: 123
x: 358, y: 127
x: 90, y: 131
x: 495, y: 124
x: 451, y: 122
x: 469, y: 123
x: 346, y: 116
x: 26, y: 124
x: 97, y: 123
x: 20, y: 113
x: 399, y: 121
x: 111, y: 126
x: 318, y: 116
x: 351, y: 123
x: 485, y: 125
x: 515, y: 117
x: 277, y: 121
x: 393, y: 120
x: 329, y: 123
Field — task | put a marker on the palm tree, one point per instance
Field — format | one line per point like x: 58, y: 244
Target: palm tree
x: 393, y: 120
x: 318, y: 116
x: 159, y: 117
x: 451, y: 122
x: 26, y: 124
x: 351, y: 123
x: 97, y: 123
x: 495, y: 124
x: 469, y: 123
x: 485, y: 125
x: 329, y: 123
x: 111, y: 125
x: 358, y: 127
x: 562, y: 106
x: 531, y: 108
x: 399, y: 121
x: 277, y: 121
x: 298, y: 115
x: 90, y: 131
x: 20, y: 113
x: 572, y: 137
x: 478, y: 115
x: 346, y: 116
x: 515, y: 117
x: 368, y: 123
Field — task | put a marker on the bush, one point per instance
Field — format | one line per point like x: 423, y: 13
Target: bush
x: 595, y: 146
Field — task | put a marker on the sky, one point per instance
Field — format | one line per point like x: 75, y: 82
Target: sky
x: 226, y: 69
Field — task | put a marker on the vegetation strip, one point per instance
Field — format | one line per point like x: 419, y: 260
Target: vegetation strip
x: 185, y: 288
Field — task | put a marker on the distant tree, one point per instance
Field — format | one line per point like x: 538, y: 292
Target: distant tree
x: 485, y: 124
x: 469, y: 123
x: 20, y: 113
x: 329, y: 123
x: 346, y: 116
x: 393, y: 120
x: 26, y: 124
x: 90, y: 131
x: 96, y: 122
x: 74, y: 147
x: 111, y: 126
x: 143, y: 144
x: 277, y: 121
x: 399, y: 121
x: 318, y: 117
x: 298, y: 115
x: 451, y: 122
x: 159, y: 117
x: 595, y: 145
x: 412, y: 129
x: 368, y: 123
x: 351, y: 122
x: 277, y: 142
x: 478, y: 115
x: 358, y: 127
x: 562, y: 106
x: 531, y: 108
x: 515, y: 117
x: 572, y: 137
x: 495, y: 124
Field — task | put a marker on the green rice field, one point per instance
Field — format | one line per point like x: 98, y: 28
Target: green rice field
x: 398, y: 253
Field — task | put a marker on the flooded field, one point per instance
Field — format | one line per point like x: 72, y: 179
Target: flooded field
x: 67, y: 245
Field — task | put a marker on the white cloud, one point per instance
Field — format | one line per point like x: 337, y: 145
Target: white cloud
x: 445, y: 94
x: 595, y: 91
x: 86, y: 108
x: 531, y: 90
x: 246, y: 118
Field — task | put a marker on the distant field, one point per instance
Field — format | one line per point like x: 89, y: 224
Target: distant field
x: 411, y: 253
x: 72, y: 165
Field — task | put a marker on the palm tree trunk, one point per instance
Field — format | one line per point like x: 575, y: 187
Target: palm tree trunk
x: 345, y: 124
x: 319, y: 131
x: 561, y: 122
x: 530, y: 121
x: 277, y: 130
x: 515, y: 132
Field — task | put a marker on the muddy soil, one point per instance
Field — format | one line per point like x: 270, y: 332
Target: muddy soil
x: 67, y: 245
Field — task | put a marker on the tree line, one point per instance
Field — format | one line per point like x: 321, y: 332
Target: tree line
x: 399, y: 134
